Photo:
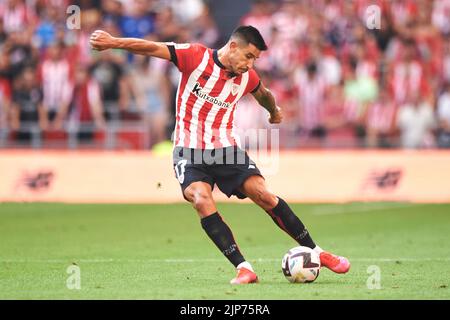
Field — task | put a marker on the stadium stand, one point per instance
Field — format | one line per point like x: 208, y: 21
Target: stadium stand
x: 340, y: 83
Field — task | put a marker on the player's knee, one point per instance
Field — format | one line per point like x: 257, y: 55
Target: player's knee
x: 202, y: 201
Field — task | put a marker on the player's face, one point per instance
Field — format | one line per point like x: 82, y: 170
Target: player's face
x: 242, y: 57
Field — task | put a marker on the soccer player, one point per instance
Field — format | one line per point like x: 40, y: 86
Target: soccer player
x: 205, y: 149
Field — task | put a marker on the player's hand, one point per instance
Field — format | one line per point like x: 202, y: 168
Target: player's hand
x: 101, y: 40
x: 276, y: 116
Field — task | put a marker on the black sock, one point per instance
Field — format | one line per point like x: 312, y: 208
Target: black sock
x: 286, y: 219
x: 221, y: 235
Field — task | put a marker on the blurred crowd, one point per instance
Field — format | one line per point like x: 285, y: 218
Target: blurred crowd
x: 52, y: 82
x: 339, y: 78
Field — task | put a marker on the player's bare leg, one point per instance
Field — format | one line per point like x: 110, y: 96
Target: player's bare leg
x: 199, y: 194
x: 255, y: 188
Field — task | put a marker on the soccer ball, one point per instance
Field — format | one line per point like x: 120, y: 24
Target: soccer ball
x: 301, y: 265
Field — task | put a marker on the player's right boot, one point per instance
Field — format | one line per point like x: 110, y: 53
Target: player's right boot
x: 245, y: 276
x: 334, y: 263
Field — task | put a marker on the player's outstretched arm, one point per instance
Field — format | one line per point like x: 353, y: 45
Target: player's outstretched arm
x: 266, y: 99
x: 101, y: 40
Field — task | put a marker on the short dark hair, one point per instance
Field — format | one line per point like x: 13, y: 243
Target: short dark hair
x: 251, y: 35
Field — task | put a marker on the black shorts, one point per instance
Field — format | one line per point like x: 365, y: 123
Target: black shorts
x: 228, y: 168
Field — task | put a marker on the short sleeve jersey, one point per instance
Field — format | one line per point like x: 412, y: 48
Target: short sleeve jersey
x: 207, y: 96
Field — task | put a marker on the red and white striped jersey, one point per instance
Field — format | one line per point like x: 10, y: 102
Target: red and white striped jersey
x: 206, y: 97
x: 381, y: 115
x: 17, y: 17
x: 56, y: 83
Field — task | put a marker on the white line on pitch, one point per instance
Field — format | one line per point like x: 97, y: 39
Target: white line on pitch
x: 199, y: 260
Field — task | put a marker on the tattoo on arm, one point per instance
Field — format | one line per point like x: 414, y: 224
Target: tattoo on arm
x: 266, y: 99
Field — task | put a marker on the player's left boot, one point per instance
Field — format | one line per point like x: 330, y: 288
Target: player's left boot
x: 245, y: 276
x: 334, y: 263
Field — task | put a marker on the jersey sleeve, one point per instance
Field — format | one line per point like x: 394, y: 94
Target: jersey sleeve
x: 253, y: 82
x: 186, y: 56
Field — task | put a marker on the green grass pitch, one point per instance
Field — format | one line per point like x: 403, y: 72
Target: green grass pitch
x: 161, y: 252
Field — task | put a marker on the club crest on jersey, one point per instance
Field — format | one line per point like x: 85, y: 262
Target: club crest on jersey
x: 197, y: 90
x: 234, y: 89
